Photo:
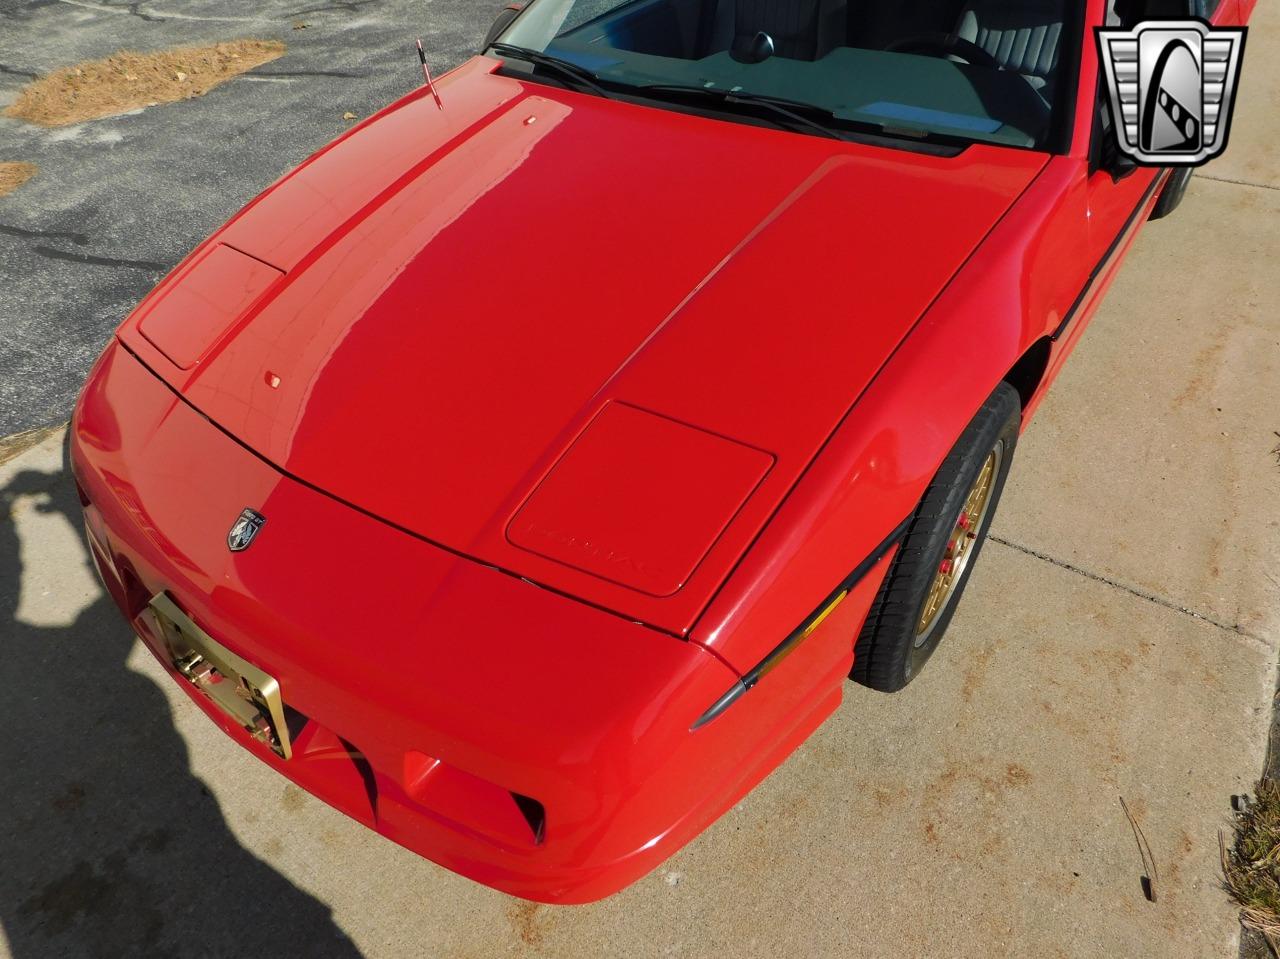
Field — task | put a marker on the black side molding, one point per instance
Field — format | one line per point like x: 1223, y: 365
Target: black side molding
x: 802, y: 632
x: 1102, y: 264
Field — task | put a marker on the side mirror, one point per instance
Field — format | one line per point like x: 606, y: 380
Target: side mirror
x: 501, y: 22
x: 1107, y: 155
x: 1119, y: 165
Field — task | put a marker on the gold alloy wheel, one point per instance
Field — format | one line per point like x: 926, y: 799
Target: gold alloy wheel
x: 960, y: 546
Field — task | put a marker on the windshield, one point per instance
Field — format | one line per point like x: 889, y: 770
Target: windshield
x: 995, y: 71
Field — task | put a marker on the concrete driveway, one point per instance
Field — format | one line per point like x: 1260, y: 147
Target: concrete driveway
x: 1119, y: 639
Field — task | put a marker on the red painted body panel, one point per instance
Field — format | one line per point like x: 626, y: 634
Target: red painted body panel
x: 224, y: 285
x: 611, y: 476
x: 561, y: 423
x: 431, y: 380
x: 391, y: 646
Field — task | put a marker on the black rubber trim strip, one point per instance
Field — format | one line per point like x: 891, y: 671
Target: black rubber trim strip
x: 1107, y: 257
x: 801, y: 632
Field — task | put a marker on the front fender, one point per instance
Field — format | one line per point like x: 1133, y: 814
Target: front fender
x: 874, y: 469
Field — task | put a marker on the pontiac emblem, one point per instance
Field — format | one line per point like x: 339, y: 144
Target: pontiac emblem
x: 244, y: 530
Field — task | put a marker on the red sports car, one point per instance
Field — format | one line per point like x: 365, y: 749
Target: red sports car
x: 525, y: 474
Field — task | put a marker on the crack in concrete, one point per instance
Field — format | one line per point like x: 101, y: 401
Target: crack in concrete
x: 160, y: 16
x: 1223, y: 179
x: 192, y: 18
x: 15, y: 72
x: 1133, y: 591
x: 135, y: 9
x: 349, y: 6
x: 132, y: 10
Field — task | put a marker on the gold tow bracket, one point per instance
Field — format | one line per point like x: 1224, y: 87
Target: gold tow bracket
x: 240, y: 689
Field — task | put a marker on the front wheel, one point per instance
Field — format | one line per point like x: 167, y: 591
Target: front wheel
x: 929, y: 572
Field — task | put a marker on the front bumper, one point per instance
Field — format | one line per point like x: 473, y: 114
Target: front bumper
x: 522, y: 739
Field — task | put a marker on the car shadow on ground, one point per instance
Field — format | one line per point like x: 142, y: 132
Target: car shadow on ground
x: 110, y: 846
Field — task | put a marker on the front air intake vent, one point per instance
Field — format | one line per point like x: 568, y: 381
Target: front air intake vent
x: 534, y: 814
x: 472, y: 802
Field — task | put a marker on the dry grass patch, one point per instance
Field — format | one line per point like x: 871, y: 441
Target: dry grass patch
x: 1251, y: 865
x: 127, y: 81
x: 13, y: 175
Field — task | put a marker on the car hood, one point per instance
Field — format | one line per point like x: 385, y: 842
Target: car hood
x: 588, y: 342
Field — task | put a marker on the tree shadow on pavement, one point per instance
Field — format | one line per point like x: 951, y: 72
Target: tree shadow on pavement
x: 109, y: 845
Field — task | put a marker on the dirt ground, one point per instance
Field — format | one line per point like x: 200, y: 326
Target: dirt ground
x: 130, y: 81
x: 14, y: 174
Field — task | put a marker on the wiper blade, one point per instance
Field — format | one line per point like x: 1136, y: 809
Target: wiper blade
x: 816, y: 118
x: 811, y: 115
x: 565, y: 68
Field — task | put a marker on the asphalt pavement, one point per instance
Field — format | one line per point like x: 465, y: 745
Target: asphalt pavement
x: 1119, y: 639
x: 119, y: 201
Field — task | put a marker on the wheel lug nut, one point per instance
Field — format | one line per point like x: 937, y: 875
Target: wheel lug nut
x: 963, y: 522
x: 946, y: 566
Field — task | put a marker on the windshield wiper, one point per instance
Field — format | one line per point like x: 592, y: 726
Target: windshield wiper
x: 565, y: 68
x: 808, y: 115
x: 819, y: 119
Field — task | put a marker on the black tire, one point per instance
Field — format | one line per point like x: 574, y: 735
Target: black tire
x: 890, y: 650
x: 1171, y: 195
